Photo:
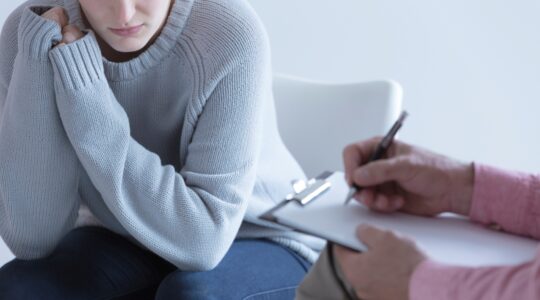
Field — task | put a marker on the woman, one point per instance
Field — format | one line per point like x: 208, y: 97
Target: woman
x: 138, y: 145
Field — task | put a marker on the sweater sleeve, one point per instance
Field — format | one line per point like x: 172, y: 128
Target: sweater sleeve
x: 190, y: 217
x: 510, y: 200
x: 38, y: 166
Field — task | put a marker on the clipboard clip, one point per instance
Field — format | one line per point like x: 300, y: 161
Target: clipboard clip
x: 305, y: 192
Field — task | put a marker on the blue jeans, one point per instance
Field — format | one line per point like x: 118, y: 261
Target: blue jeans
x: 94, y: 263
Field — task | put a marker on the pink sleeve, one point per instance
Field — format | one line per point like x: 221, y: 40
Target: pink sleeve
x: 508, y: 199
x: 512, y: 201
x: 432, y: 280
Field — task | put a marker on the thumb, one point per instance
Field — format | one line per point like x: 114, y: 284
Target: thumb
x: 381, y: 171
x: 369, y: 235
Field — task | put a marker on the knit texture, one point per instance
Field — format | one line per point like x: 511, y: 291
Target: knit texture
x: 177, y: 148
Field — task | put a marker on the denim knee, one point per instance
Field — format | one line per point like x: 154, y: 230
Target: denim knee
x: 187, y: 285
x: 17, y: 284
x: 196, y: 286
x: 252, y: 269
x: 36, y: 279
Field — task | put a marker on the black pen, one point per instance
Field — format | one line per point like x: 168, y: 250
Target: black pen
x: 382, y: 147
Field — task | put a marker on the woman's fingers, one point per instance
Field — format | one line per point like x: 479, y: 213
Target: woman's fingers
x: 58, y: 15
x: 71, y: 33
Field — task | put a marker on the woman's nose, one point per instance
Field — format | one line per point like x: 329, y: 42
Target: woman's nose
x: 124, y: 11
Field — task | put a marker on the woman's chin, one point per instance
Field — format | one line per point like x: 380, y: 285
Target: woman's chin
x: 128, y: 47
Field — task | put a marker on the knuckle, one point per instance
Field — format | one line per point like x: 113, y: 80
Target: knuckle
x: 361, y: 174
x: 60, y: 11
x: 376, y: 139
x: 388, y: 235
x: 47, y: 15
x: 402, y: 161
x: 57, y: 12
x: 348, y: 150
x: 387, y: 169
x: 405, y: 162
x: 386, y: 172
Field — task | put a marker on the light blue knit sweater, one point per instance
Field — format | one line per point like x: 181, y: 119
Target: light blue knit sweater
x: 177, y: 148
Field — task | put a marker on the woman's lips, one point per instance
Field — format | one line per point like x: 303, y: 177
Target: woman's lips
x: 128, y: 31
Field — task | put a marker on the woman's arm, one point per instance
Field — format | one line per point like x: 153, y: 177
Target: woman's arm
x: 189, y: 218
x: 38, y: 166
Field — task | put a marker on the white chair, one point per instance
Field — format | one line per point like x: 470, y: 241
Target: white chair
x: 5, y: 254
x: 317, y: 120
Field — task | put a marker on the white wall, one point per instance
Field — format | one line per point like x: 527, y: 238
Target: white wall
x: 470, y: 69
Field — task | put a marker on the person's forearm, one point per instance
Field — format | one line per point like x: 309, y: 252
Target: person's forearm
x: 510, y: 200
x: 432, y: 280
x: 38, y: 166
x: 189, y: 217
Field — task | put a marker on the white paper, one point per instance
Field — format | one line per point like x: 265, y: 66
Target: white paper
x: 447, y: 238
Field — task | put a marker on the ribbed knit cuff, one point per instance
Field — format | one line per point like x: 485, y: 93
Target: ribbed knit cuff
x: 78, y: 64
x: 37, y: 35
x: 432, y: 280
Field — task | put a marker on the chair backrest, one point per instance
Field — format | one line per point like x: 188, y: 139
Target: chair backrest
x: 317, y: 120
x: 5, y: 253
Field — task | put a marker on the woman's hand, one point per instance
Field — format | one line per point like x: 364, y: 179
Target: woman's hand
x: 58, y: 15
x: 410, y: 179
x: 70, y: 32
x: 384, y: 271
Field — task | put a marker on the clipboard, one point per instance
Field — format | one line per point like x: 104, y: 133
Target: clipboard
x: 318, y: 210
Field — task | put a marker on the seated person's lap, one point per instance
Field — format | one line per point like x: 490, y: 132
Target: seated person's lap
x: 252, y: 269
x: 94, y: 263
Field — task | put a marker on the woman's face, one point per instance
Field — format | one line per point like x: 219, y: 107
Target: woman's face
x: 126, y: 25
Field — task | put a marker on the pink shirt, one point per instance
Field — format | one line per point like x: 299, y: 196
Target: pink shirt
x: 511, y: 200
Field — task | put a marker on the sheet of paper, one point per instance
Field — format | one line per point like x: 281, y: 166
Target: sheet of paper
x: 447, y: 238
